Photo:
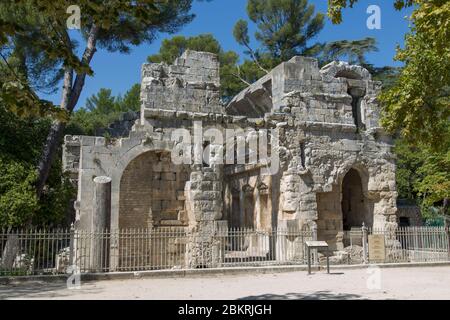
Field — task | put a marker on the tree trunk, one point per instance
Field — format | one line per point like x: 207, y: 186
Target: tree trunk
x: 10, y: 252
x: 445, y: 207
x: 47, y: 157
x: 70, y: 95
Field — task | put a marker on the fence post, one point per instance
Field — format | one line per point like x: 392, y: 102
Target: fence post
x: 365, y: 243
x: 314, y: 236
x: 72, y: 246
x: 447, y: 229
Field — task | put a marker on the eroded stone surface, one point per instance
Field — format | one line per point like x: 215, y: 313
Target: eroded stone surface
x: 327, y: 121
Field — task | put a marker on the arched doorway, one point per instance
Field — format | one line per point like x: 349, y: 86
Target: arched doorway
x: 152, y: 212
x: 152, y: 192
x: 354, y: 205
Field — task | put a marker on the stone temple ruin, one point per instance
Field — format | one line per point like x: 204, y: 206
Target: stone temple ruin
x: 336, y: 168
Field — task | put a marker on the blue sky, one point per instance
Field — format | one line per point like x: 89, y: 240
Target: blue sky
x: 119, y: 72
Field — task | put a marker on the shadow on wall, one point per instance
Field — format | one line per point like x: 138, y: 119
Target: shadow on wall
x: 318, y: 295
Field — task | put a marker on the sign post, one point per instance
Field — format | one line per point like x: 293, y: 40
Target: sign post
x: 316, y: 245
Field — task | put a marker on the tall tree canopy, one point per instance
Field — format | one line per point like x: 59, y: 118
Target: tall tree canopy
x: 418, y: 105
x: 284, y: 28
x: 114, y: 27
x: 354, y: 51
x: 102, y: 109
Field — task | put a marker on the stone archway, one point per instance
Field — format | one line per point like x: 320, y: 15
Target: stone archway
x: 152, y: 192
x: 354, y: 204
x: 152, y: 196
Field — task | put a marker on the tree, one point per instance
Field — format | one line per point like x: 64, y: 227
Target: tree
x: 354, y: 51
x: 115, y: 27
x: 423, y: 175
x: 173, y: 48
x: 20, y: 144
x: 131, y: 101
x: 418, y: 104
x: 409, y: 160
x: 285, y: 28
x: 102, y: 102
x: 102, y: 109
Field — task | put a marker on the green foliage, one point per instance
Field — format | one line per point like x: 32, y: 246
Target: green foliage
x: 102, y: 102
x: 102, y: 109
x: 240, y: 33
x: 131, y: 101
x: 418, y: 105
x: 17, y: 96
x: 173, y: 48
x: 18, y: 199
x: 409, y: 161
x: 387, y: 75
x: 20, y: 145
x: 354, y: 51
x: 284, y: 27
x: 423, y: 175
x: 37, y: 28
x: 435, y: 185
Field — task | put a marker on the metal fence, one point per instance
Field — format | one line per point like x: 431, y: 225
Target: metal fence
x: 31, y: 252
x: 402, y: 244
x: 415, y: 244
x: 25, y: 252
x: 61, y: 251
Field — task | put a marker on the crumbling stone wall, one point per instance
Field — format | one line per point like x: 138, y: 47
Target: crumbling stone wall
x: 327, y: 121
x: 152, y: 192
x: 322, y: 138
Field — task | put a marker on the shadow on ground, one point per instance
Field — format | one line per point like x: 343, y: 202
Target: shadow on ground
x: 36, y: 290
x: 318, y: 295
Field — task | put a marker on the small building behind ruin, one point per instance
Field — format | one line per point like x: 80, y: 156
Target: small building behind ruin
x: 335, y: 169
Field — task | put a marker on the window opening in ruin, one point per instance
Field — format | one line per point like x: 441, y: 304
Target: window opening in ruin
x: 206, y: 154
x: 357, y: 94
x: 302, y: 154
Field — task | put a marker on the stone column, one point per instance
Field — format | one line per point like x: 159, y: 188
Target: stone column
x: 101, y: 215
x: 206, y: 197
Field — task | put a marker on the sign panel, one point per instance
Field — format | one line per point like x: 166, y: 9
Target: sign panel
x: 377, y: 248
x: 316, y: 244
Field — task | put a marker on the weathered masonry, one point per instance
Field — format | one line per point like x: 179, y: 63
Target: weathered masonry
x: 336, y: 168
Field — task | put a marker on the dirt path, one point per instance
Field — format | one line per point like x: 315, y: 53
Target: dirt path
x: 395, y: 283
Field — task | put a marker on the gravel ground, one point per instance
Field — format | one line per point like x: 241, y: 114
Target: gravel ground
x: 395, y: 283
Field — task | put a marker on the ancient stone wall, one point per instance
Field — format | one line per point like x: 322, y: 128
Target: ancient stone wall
x: 152, y: 192
x: 327, y: 124
x: 191, y: 84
